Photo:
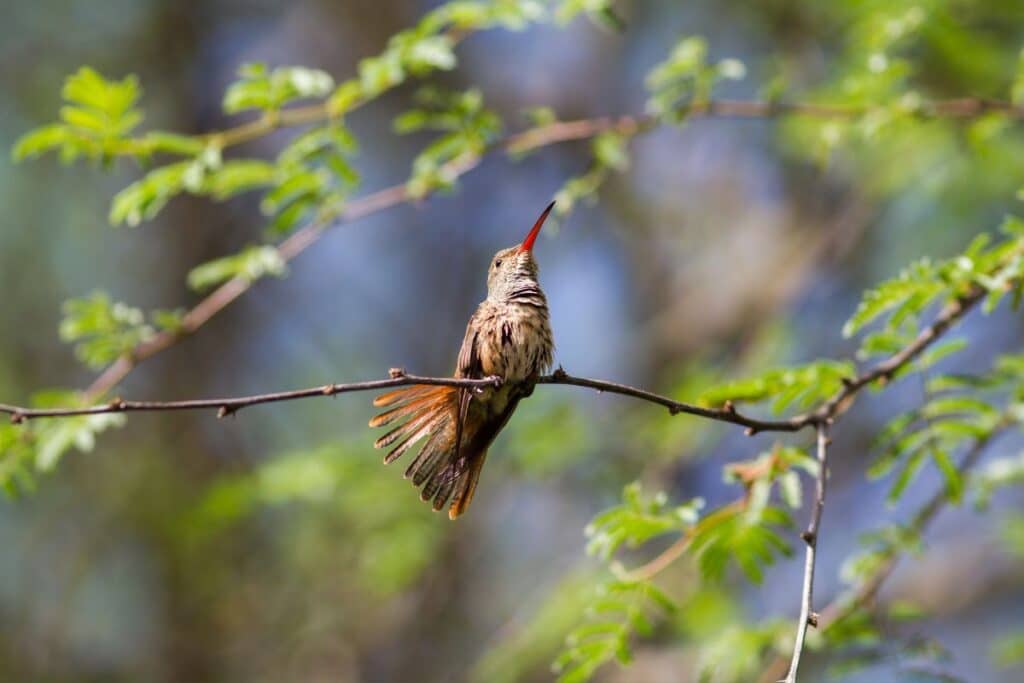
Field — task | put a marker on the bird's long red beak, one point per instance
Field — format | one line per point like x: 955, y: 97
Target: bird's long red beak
x: 527, y: 244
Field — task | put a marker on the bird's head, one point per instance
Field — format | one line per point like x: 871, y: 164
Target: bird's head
x: 514, y: 268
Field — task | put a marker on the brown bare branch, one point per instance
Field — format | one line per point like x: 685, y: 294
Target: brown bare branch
x: 229, y: 406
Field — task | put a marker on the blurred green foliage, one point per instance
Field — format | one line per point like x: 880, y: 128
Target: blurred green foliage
x: 388, y: 549
x: 887, y: 135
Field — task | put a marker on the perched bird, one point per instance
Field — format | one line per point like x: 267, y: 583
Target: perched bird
x: 508, y: 336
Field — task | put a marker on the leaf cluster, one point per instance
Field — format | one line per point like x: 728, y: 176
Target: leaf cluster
x: 268, y: 90
x: 103, y: 330
x: 685, y: 79
x: 26, y: 449
x: 468, y: 128
x: 619, y: 611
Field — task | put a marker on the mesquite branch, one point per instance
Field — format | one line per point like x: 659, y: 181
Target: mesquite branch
x: 823, y: 415
x: 230, y: 406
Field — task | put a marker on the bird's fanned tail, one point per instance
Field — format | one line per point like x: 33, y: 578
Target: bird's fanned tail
x: 430, y: 414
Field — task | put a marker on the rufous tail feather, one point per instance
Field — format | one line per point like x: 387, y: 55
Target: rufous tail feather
x: 430, y: 414
x: 466, y: 486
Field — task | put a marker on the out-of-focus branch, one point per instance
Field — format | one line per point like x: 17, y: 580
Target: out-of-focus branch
x: 960, y: 108
x: 866, y: 592
x: 525, y: 141
x: 665, y: 558
x: 808, y: 617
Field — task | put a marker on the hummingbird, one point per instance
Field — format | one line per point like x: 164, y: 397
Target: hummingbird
x: 509, y: 336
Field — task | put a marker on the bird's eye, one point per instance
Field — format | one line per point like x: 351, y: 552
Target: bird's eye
x: 497, y: 264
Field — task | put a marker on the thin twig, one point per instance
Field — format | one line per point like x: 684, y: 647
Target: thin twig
x: 808, y: 617
x: 865, y: 593
x: 727, y: 413
x: 229, y: 406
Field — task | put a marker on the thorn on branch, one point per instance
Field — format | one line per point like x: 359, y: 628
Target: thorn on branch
x: 848, y: 382
x: 117, y: 404
x: 328, y: 390
x: 17, y: 418
x: 729, y: 407
x: 674, y: 410
x: 808, y: 538
x: 224, y: 411
x: 560, y: 373
x: 812, y: 619
x: 396, y: 373
x: 751, y: 431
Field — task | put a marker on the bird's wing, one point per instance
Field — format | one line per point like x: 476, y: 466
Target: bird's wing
x: 468, y: 366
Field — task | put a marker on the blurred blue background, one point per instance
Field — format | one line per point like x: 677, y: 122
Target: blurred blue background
x: 273, y: 545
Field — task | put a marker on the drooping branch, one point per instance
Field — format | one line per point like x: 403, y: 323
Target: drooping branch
x: 808, y: 617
